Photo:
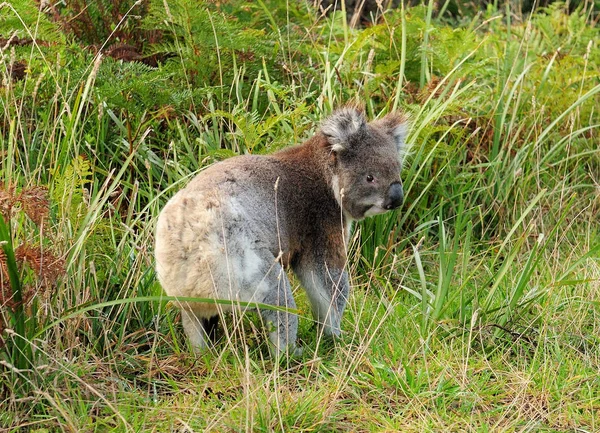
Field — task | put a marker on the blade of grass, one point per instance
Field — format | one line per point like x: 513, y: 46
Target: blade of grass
x: 21, y: 354
x: 176, y: 299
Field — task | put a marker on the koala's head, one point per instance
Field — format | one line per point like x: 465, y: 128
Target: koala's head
x: 366, y: 161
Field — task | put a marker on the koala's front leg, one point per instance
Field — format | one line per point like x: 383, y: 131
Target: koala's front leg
x: 282, y: 327
x: 328, y: 290
x: 273, y: 288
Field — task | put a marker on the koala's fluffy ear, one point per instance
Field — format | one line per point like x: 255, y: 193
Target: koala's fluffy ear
x: 341, y: 125
x: 395, y: 125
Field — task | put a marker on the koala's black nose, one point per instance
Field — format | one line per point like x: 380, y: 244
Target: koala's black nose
x: 395, y: 196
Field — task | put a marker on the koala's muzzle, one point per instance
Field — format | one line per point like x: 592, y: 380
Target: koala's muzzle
x: 395, y: 196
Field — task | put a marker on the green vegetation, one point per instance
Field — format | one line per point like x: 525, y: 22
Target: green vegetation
x: 475, y: 307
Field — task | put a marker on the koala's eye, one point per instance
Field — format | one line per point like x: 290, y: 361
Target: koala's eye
x: 370, y: 178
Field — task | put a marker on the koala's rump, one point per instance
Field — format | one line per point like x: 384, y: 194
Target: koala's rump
x: 215, y: 239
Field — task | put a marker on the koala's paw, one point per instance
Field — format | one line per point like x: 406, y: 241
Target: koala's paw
x: 333, y: 332
x: 291, y: 351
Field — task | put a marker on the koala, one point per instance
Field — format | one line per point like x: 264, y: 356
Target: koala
x: 239, y: 223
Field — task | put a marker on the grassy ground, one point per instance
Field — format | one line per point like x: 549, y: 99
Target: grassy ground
x: 475, y: 307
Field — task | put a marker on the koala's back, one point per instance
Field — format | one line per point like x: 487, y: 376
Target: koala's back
x: 217, y: 236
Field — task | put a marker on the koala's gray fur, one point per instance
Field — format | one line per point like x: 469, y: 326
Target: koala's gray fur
x: 231, y: 231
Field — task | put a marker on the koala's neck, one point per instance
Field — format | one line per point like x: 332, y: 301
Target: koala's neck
x: 313, y: 161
